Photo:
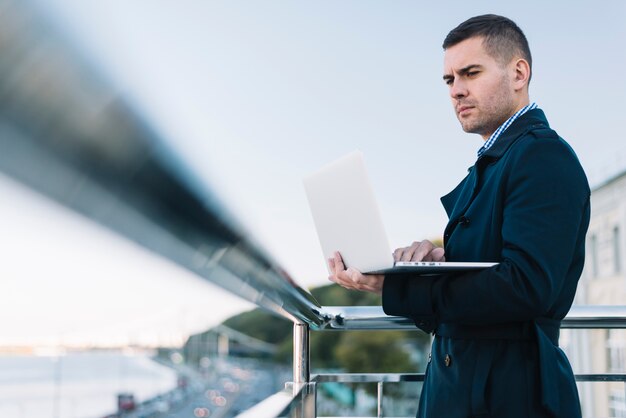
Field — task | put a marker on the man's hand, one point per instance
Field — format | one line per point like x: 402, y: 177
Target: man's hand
x: 419, y: 251
x: 351, y: 278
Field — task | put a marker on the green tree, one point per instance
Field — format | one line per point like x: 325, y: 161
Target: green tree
x: 333, y: 295
x: 262, y: 325
x: 374, y: 352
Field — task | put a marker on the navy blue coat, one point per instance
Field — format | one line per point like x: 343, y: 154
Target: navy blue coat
x: 524, y: 204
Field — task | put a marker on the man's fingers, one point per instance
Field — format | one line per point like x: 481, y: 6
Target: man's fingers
x: 351, y: 278
x: 397, y: 253
x: 339, y: 261
x: 354, y: 278
x: 340, y: 275
x: 416, y: 252
x: 336, y: 264
x: 438, y: 254
x: 408, y: 252
x: 419, y: 251
x: 424, y: 248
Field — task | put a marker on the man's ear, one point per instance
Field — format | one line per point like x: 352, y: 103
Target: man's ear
x: 521, y: 75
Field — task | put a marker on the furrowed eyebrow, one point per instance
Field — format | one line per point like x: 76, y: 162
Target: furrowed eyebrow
x: 469, y: 68
x: 463, y: 71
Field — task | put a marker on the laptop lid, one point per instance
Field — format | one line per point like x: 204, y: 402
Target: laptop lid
x: 346, y: 214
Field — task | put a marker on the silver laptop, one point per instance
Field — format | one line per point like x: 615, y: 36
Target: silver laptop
x: 348, y: 220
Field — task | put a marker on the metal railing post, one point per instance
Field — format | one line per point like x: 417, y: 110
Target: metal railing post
x: 301, y: 360
x: 380, y: 400
x: 302, y: 385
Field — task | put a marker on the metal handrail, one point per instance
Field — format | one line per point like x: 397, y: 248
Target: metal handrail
x: 419, y: 377
x: 373, y: 317
x: 66, y: 132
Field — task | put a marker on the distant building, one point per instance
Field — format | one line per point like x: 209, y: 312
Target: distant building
x: 603, y: 283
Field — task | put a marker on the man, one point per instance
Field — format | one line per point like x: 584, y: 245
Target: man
x: 524, y: 204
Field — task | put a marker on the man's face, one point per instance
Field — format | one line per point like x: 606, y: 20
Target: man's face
x: 480, y: 87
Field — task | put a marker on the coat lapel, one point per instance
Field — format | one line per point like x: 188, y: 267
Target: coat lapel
x: 458, y: 200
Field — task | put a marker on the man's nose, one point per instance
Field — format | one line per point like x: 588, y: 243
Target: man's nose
x: 458, y: 90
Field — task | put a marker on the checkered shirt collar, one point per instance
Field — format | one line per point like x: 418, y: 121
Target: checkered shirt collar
x: 496, y: 134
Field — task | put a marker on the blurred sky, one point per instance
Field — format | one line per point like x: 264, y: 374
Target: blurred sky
x: 254, y: 96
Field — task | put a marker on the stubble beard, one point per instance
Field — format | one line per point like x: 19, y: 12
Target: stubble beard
x: 491, y: 113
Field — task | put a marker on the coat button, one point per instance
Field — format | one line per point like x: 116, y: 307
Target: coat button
x: 429, y: 357
x: 447, y: 360
x: 464, y: 220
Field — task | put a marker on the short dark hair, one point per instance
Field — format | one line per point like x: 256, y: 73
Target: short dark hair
x: 503, y: 39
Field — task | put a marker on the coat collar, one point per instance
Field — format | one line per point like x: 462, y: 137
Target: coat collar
x: 532, y: 119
